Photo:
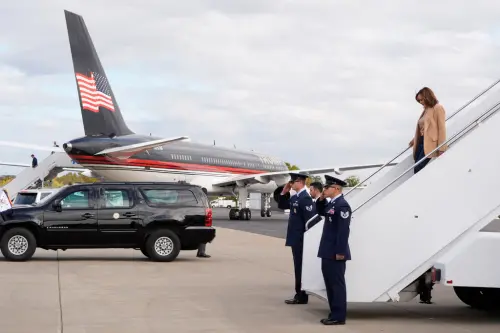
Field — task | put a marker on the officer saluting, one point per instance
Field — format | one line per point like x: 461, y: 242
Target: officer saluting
x: 334, y: 247
x: 301, y: 210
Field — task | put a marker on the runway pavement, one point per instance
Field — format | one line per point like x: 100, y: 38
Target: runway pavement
x: 240, y: 289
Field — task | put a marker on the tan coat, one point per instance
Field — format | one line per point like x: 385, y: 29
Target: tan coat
x: 434, y: 130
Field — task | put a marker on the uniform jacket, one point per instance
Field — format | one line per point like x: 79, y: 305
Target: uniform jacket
x: 336, y: 228
x: 302, y: 209
x: 434, y: 130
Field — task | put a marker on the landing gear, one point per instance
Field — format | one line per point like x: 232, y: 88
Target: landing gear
x: 265, y: 212
x: 265, y: 203
x: 244, y: 213
x: 234, y: 214
x: 240, y: 214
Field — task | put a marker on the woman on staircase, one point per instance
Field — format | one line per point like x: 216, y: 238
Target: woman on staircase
x: 430, y: 133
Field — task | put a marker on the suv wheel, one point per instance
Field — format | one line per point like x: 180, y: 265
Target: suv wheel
x: 163, y: 245
x: 18, y: 244
x: 143, y: 250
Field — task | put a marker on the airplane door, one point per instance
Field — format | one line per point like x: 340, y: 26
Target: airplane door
x: 75, y: 224
x: 117, y: 215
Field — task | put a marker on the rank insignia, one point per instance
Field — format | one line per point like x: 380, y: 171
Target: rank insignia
x: 344, y: 215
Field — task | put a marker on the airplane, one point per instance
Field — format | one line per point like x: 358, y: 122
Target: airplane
x: 113, y: 151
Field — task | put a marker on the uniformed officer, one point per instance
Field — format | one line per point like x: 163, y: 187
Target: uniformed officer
x: 301, y: 210
x: 334, y: 247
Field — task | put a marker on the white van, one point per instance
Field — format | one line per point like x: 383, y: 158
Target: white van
x: 33, y: 196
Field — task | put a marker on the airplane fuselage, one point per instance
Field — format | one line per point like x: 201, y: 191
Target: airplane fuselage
x: 195, y: 163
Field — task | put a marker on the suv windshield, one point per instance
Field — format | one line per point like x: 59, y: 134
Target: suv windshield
x: 25, y: 199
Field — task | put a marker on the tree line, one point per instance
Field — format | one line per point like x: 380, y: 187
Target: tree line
x: 67, y: 179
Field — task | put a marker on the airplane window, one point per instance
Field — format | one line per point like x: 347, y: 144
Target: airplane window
x: 116, y: 199
x: 79, y: 199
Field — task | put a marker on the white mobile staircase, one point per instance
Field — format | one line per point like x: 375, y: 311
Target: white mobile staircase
x: 403, y: 223
x: 46, y: 170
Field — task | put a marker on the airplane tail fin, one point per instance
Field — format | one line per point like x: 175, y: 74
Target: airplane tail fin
x: 100, y: 112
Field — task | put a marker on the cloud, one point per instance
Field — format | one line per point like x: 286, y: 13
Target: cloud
x: 314, y: 82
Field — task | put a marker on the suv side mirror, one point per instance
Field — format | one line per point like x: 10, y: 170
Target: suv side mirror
x: 57, y: 205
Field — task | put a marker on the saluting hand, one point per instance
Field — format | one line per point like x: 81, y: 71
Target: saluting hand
x: 286, y: 188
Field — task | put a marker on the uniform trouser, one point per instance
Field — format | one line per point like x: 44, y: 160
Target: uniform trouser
x: 201, y: 248
x: 425, y: 287
x: 419, y: 154
x: 334, y: 276
x: 297, y: 251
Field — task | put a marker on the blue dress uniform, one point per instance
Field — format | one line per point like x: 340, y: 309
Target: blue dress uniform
x: 302, y: 209
x: 334, y: 241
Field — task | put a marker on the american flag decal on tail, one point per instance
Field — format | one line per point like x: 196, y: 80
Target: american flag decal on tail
x: 94, y: 92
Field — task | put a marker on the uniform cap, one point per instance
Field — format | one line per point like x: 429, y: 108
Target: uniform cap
x: 334, y: 181
x: 298, y: 175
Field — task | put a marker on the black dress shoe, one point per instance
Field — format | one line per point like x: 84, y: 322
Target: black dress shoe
x: 295, y: 301
x: 327, y: 321
x: 203, y: 255
x: 428, y: 301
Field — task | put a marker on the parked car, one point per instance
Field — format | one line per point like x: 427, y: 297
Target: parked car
x: 33, y: 196
x: 160, y: 219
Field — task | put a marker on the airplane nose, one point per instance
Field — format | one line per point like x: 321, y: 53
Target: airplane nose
x: 67, y: 147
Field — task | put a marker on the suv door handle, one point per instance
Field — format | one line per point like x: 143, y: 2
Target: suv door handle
x: 87, y: 215
x: 129, y: 214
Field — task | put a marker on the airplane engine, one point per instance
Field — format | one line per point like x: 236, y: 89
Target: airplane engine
x: 277, y: 193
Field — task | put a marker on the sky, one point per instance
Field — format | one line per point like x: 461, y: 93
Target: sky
x: 315, y: 83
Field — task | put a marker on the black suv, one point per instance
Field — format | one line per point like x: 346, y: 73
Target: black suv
x: 160, y: 219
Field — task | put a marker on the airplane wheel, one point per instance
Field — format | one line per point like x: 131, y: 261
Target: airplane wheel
x: 245, y: 214
x: 262, y: 213
x: 233, y: 214
x: 268, y: 213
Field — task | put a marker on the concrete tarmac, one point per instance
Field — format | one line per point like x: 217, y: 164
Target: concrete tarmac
x: 240, y: 289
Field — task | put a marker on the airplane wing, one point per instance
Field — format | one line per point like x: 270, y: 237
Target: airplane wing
x: 15, y: 164
x: 281, y: 177
x: 127, y: 151
x: 30, y: 146
x: 73, y: 169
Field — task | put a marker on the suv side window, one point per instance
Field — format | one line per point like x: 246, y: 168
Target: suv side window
x: 78, y: 199
x: 117, y: 198
x: 177, y: 197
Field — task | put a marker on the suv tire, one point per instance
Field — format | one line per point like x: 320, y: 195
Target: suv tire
x: 18, y: 244
x: 163, y: 245
x: 143, y: 250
